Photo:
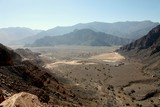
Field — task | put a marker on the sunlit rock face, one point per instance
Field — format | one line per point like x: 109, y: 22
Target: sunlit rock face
x: 22, y: 99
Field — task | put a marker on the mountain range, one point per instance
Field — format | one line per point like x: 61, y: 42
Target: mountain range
x: 82, y: 37
x: 14, y: 34
x: 129, y: 29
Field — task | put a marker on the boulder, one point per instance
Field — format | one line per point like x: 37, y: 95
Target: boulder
x: 22, y: 99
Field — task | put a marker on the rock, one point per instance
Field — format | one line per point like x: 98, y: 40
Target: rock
x: 1, y: 96
x: 22, y: 99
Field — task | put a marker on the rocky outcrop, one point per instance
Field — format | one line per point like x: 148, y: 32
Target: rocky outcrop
x: 22, y: 99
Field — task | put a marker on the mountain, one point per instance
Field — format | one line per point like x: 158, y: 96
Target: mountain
x: 82, y: 37
x: 149, y: 42
x: 14, y: 34
x: 146, y: 49
x: 128, y: 29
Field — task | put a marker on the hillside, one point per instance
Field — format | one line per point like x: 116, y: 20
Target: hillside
x: 19, y: 75
x: 128, y: 29
x: 149, y: 43
x: 82, y: 37
x: 14, y: 34
x: 146, y: 49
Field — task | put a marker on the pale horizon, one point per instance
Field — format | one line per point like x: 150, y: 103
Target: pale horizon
x: 72, y: 24
x: 51, y: 13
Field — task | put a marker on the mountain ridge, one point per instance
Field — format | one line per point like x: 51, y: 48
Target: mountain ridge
x: 151, y: 40
x: 81, y: 37
x: 145, y: 49
x: 128, y: 29
x: 101, y: 27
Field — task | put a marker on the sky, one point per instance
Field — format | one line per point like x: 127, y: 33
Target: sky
x: 46, y: 14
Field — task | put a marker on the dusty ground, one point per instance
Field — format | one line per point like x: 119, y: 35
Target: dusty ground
x: 103, y: 78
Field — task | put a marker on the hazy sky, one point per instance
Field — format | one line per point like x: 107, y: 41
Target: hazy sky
x: 45, y: 14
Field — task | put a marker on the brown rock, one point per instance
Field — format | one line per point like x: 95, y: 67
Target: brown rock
x: 1, y: 96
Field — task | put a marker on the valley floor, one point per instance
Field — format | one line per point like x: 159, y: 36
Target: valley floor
x: 101, y: 77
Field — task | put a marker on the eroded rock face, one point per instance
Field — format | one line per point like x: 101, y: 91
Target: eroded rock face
x: 22, y: 99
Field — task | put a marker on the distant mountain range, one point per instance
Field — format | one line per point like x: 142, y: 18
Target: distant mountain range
x: 129, y: 29
x: 14, y: 34
x: 82, y: 37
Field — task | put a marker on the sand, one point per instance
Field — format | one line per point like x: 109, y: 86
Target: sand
x: 109, y: 57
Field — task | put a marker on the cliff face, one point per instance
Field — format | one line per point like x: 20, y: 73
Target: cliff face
x: 18, y: 75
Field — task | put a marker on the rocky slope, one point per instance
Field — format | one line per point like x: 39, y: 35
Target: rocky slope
x: 145, y: 49
x: 18, y: 75
x: 150, y: 44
